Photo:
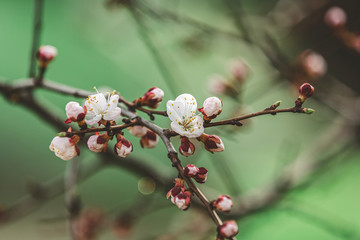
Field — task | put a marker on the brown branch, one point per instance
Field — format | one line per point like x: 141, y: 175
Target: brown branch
x: 38, y: 11
x: 235, y: 121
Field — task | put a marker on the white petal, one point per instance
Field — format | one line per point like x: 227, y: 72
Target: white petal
x: 114, y: 100
x: 94, y: 120
x: 112, y: 114
x: 172, y: 113
x: 189, y: 102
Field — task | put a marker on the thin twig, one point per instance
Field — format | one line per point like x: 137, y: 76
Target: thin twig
x: 143, y: 32
x: 38, y: 12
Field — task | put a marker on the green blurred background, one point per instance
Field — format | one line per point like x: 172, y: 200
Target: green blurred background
x: 101, y: 46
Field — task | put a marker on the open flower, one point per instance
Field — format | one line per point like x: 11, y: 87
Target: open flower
x: 74, y: 112
x: 182, y: 115
x: 98, y: 107
x: 64, y: 147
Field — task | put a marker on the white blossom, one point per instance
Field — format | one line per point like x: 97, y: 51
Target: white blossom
x: 99, y: 107
x: 93, y: 144
x: 63, y: 147
x: 182, y: 115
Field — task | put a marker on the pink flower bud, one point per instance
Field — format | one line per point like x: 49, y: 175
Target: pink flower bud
x: 212, y: 107
x: 335, y: 17
x: 64, y: 147
x: 152, y: 98
x: 183, y: 200
x: 186, y: 148
x: 74, y: 112
x: 313, y: 64
x: 223, y: 203
x: 191, y: 170
x: 217, y: 84
x: 89, y: 224
x: 305, y: 91
x: 123, y: 147
x: 138, y: 130
x: 201, y: 176
x: 239, y: 70
x: 228, y: 230
x: 45, y: 54
x: 149, y: 140
x: 98, y: 143
x: 212, y: 143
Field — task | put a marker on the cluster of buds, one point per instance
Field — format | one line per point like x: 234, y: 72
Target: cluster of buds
x: 152, y: 98
x: 229, y: 229
x: 179, y: 195
x: 232, y: 85
x: 185, y: 122
x: 198, y: 174
x: 99, y: 109
x: 336, y: 18
x: 45, y: 54
x: 148, y: 139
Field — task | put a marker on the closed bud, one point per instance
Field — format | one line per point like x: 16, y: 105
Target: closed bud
x: 228, y: 230
x: 239, y: 70
x: 45, y: 54
x: 212, y: 107
x: 186, y: 148
x: 123, y: 147
x: 217, y: 84
x: 212, y: 143
x: 308, y: 110
x: 75, y: 112
x: 191, y: 170
x: 89, y: 224
x: 335, y: 17
x: 313, y: 64
x: 305, y: 91
x: 149, y: 140
x: 152, y: 98
x: 201, y: 175
x: 138, y: 130
x: 223, y: 203
x: 65, y: 147
x: 183, y: 200
x: 98, y: 143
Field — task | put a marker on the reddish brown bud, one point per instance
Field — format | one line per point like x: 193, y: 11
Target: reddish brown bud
x: 212, y: 143
x: 201, y: 176
x: 186, y: 148
x: 183, y: 200
x: 149, y: 140
x: 152, y: 98
x: 45, y: 54
x: 123, y: 147
x: 191, y: 170
x: 123, y: 225
x: 305, y: 91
